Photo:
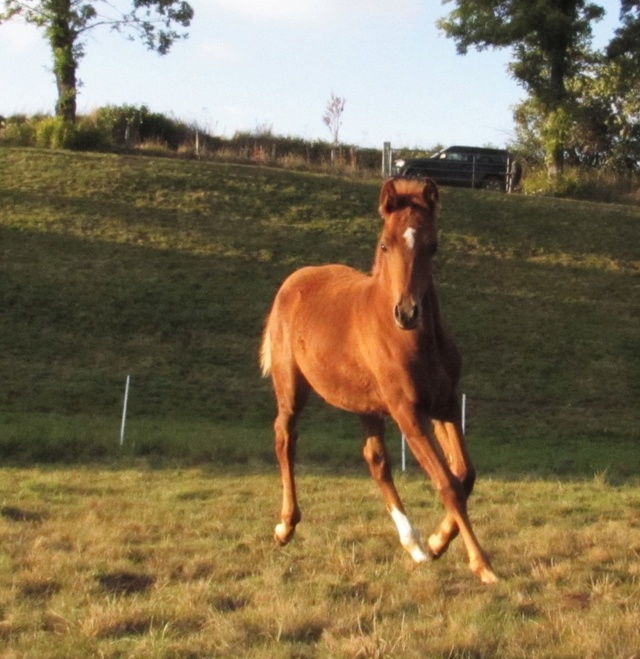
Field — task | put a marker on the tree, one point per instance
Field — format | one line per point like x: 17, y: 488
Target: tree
x: 621, y: 82
x: 626, y: 43
x: 67, y: 22
x: 332, y: 119
x: 549, y: 40
x: 608, y: 109
x: 603, y: 122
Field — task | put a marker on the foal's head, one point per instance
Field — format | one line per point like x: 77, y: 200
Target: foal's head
x: 408, y: 242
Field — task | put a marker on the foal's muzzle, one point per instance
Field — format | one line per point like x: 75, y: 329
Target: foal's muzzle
x: 407, y: 314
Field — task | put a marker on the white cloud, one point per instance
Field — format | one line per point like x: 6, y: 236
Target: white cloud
x: 19, y: 36
x: 218, y: 51
x: 312, y: 11
x: 290, y: 11
x: 398, y: 7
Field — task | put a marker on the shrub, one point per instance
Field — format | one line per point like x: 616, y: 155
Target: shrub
x: 86, y: 135
x: 130, y: 126
x: 157, y: 128
x: 51, y: 133
x: 19, y: 131
x: 56, y: 133
x: 590, y: 183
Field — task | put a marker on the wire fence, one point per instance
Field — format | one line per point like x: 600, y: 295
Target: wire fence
x: 227, y: 422
x: 151, y: 394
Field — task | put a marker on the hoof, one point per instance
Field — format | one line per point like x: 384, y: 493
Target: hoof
x: 283, y: 534
x: 436, y: 547
x: 419, y: 555
x: 409, y: 537
x: 486, y: 575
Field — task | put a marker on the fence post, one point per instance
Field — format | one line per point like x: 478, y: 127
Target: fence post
x: 386, y: 160
x: 464, y: 413
x: 124, y: 409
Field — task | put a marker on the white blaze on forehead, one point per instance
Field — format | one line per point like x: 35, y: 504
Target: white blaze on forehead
x: 410, y: 237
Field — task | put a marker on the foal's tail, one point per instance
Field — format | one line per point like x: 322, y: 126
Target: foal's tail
x: 265, y: 352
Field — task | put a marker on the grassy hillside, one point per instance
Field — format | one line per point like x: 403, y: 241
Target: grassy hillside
x: 164, y: 269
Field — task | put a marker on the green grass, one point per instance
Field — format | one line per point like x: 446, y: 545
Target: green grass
x: 180, y: 563
x: 164, y: 269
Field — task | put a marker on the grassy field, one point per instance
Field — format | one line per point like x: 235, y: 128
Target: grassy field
x: 164, y: 270
x: 141, y: 563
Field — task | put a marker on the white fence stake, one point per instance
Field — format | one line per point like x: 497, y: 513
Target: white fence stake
x: 464, y: 412
x: 124, y: 409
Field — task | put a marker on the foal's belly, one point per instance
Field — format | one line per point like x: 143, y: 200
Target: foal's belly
x: 351, y: 384
x: 337, y: 373
x: 355, y: 391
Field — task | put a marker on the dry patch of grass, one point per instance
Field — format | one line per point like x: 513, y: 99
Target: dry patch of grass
x: 179, y: 563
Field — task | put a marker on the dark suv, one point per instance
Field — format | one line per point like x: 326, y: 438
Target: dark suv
x: 467, y: 166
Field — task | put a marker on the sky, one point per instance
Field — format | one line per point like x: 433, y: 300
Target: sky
x: 253, y: 65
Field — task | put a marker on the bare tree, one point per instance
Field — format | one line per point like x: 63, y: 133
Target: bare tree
x: 332, y: 119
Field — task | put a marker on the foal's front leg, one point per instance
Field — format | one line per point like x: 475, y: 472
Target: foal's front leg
x: 448, y: 486
x: 449, y: 436
x: 375, y: 453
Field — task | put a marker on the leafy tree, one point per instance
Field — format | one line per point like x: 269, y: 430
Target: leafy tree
x: 66, y: 24
x: 603, y: 116
x: 549, y: 40
x: 626, y: 43
x: 608, y: 103
x: 620, y: 83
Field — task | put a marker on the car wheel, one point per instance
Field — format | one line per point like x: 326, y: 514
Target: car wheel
x: 493, y: 183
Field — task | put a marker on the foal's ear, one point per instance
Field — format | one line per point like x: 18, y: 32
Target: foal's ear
x: 389, y: 198
x: 430, y: 193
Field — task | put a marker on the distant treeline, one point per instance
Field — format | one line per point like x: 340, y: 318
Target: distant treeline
x: 127, y: 127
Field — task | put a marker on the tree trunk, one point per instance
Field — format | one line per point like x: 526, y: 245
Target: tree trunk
x: 557, y: 99
x: 558, y: 47
x: 66, y: 82
x: 62, y: 38
x: 555, y: 162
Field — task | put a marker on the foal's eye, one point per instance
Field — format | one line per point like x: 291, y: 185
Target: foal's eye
x: 383, y: 247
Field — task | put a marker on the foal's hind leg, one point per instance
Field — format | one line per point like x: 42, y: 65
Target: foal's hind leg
x: 291, y: 392
x: 449, y: 436
x: 375, y: 453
